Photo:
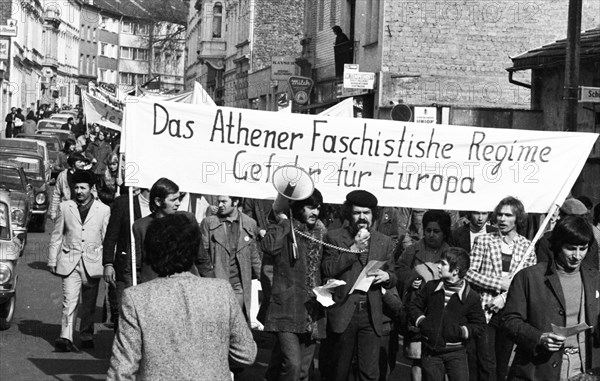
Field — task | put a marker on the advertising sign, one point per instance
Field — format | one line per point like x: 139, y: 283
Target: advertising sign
x: 301, y: 87
x: 282, y: 68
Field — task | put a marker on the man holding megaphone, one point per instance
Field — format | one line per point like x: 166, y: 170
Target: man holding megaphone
x: 356, y: 318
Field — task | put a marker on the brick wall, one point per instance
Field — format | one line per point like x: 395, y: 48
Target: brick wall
x: 456, y: 52
x: 278, y: 26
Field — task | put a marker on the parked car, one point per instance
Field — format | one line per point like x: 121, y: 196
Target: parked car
x: 54, y: 124
x: 63, y: 117
x: 29, y: 146
x: 63, y: 135
x: 54, y: 146
x: 14, y: 180
x: 10, y: 250
x: 34, y: 169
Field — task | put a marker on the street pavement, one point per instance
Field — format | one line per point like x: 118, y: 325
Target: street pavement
x: 27, y: 347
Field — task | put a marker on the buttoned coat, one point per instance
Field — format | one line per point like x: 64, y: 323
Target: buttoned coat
x: 338, y: 264
x: 214, y: 255
x: 536, y: 301
x: 177, y: 328
x: 485, y: 272
x: 73, y: 239
x: 291, y: 300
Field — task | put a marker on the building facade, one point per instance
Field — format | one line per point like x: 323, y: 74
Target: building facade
x: 60, y: 38
x: 445, y: 54
x: 89, y: 36
x: 231, y: 46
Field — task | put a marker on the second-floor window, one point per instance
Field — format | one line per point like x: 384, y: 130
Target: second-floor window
x: 135, y: 28
x: 134, y: 53
x: 217, y: 20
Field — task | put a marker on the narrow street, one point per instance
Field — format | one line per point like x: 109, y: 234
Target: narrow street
x: 27, y: 348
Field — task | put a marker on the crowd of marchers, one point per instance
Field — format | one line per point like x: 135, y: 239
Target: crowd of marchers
x: 462, y: 294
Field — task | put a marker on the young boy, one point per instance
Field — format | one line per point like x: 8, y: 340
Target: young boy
x: 448, y: 313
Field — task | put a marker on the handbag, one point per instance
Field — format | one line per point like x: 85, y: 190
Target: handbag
x: 18, y: 122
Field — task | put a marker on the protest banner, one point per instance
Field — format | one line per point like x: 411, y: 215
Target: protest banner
x: 100, y: 112
x: 221, y: 150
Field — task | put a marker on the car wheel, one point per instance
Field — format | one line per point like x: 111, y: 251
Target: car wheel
x: 7, y: 311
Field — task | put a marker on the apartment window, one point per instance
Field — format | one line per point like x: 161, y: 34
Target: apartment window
x: 81, y: 62
x: 127, y: 27
x: 102, y: 75
x: 113, y: 51
x: 94, y: 33
x: 103, y: 49
x: 141, y: 29
x: 103, y: 22
x: 217, y: 20
x: 125, y: 52
x: 88, y: 65
x: 140, y: 54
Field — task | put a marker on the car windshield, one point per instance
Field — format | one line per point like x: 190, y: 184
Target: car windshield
x: 30, y: 165
x: 4, y: 228
x: 11, y: 179
x: 51, y: 144
x: 48, y: 124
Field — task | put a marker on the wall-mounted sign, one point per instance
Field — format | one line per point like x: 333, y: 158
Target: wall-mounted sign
x: 8, y: 30
x: 282, y: 68
x: 589, y: 94
x: 301, y: 87
x: 354, y: 79
x: 426, y: 115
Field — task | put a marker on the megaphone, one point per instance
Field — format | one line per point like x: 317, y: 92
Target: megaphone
x: 291, y: 183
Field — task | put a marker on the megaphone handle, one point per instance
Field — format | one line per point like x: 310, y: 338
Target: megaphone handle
x: 294, y: 243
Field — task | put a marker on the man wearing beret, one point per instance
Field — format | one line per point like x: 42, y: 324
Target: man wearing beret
x: 355, y: 320
x: 76, y: 255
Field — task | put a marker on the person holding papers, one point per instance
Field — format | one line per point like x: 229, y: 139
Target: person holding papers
x: 293, y: 312
x: 552, y: 309
x: 355, y: 320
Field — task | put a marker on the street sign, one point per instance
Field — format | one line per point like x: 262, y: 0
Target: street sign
x: 8, y: 30
x: 359, y: 80
x: 342, y: 92
x: 282, y: 67
x: 426, y: 115
x: 4, y: 49
x: 589, y: 94
x: 301, y: 87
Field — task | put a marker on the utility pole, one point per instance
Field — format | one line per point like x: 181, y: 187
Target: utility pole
x: 570, y: 94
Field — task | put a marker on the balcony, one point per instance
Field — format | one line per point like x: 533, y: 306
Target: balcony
x: 211, y: 49
x: 50, y: 61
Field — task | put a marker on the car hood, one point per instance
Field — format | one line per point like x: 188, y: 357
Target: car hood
x: 18, y: 199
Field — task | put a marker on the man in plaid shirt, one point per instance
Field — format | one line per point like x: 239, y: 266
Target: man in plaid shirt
x: 495, y: 259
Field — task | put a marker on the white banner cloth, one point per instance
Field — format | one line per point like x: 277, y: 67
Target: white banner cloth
x: 221, y: 150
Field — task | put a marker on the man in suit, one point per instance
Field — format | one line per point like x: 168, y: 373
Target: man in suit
x: 75, y: 254
x: 179, y: 326
x: 495, y: 259
x: 355, y: 320
x: 229, y: 249
x: 464, y: 236
x: 116, y: 249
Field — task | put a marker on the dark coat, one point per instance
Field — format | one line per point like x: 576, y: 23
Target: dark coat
x: 535, y: 301
x: 117, y: 241
x: 461, y: 237
x: 291, y: 301
x: 99, y: 151
x: 213, y: 260
x: 440, y: 329
x: 346, y: 266
x: 144, y: 271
